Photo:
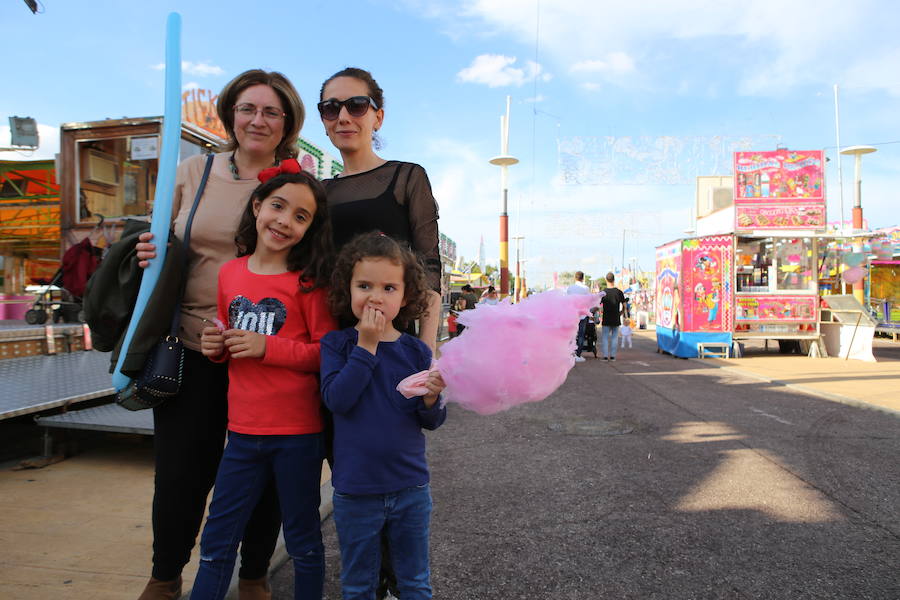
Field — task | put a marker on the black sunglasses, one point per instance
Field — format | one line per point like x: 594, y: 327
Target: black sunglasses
x: 357, y: 106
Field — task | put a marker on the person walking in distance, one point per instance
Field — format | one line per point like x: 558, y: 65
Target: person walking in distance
x: 613, y: 306
x: 579, y: 288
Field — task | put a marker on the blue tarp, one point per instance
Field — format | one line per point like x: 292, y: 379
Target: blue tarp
x: 684, y: 343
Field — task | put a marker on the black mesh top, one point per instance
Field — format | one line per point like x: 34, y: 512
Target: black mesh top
x: 394, y: 199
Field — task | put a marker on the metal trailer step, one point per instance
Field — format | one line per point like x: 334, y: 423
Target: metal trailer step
x: 712, y: 349
x: 107, y: 417
x: 37, y: 383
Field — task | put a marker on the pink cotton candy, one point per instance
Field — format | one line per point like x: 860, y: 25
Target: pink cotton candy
x: 414, y: 385
x: 510, y: 354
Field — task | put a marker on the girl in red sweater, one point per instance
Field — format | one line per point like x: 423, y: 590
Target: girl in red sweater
x: 273, y: 312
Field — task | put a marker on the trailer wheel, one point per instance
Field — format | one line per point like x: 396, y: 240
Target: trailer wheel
x: 35, y: 316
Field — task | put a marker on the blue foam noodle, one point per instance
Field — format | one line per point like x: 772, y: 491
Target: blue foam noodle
x: 165, y: 186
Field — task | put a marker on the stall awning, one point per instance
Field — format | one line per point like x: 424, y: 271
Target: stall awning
x: 476, y: 279
x: 29, y: 209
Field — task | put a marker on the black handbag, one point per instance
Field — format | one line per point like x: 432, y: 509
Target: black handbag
x: 160, y: 379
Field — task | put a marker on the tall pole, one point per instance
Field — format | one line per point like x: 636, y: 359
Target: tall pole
x: 837, y: 132
x: 518, y: 288
x: 503, y: 161
x: 857, y: 152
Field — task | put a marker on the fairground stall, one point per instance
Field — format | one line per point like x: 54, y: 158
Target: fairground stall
x: 883, y: 289
x: 29, y: 231
x: 754, y: 270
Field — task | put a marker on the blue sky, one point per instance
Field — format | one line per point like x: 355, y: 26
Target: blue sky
x: 584, y: 74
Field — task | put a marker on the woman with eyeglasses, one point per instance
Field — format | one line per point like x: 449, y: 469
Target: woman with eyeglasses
x: 262, y: 114
x: 374, y: 194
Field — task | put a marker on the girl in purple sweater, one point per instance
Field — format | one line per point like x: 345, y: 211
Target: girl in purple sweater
x: 380, y: 478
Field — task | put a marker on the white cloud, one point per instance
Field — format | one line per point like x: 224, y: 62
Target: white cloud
x: 590, y: 86
x: 200, y: 69
x: 767, y: 47
x: 881, y: 71
x: 190, y: 85
x: 48, y: 140
x: 615, y: 62
x: 497, y: 70
x: 535, y: 99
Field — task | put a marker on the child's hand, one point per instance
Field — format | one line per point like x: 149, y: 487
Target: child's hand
x: 435, y: 385
x: 245, y: 344
x: 371, y: 328
x: 212, y: 342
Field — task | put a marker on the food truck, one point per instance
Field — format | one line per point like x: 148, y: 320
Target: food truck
x: 755, y: 268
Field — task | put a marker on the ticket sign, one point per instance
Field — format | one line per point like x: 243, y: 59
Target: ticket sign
x: 777, y: 309
x: 780, y: 189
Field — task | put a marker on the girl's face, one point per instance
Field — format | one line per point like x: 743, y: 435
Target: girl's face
x: 283, y: 218
x: 258, y: 134
x: 349, y: 133
x: 377, y: 282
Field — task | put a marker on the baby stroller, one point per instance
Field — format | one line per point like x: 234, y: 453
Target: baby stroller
x: 62, y: 295
x: 590, y: 337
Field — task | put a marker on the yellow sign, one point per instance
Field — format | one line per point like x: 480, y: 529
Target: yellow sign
x: 199, y: 107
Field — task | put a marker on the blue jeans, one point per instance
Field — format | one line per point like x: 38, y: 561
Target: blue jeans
x: 405, y: 517
x: 579, y: 339
x: 610, y: 333
x: 249, y: 462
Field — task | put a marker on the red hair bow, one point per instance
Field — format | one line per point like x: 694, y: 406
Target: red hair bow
x: 289, y: 165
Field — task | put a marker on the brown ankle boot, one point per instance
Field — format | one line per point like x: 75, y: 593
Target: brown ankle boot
x: 254, y: 589
x: 161, y: 590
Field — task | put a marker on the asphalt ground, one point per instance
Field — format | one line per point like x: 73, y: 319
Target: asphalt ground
x: 656, y: 477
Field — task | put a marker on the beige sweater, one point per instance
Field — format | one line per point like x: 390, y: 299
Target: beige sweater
x: 212, y: 238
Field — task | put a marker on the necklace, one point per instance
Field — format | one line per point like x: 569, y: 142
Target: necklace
x: 234, y: 169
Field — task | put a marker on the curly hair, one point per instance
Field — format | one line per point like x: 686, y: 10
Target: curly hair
x: 313, y: 255
x: 379, y: 245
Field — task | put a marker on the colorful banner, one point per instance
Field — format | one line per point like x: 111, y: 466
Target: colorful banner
x: 708, y: 275
x: 668, y: 295
x: 780, y: 189
x: 793, y: 309
x: 782, y: 216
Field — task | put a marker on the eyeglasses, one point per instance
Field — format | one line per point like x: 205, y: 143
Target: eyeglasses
x: 356, y: 106
x: 269, y: 113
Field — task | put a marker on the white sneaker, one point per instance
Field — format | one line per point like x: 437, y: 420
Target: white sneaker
x: 579, y: 359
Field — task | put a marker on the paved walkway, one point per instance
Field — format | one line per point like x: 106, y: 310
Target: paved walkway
x: 870, y: 384
x: 80, y: 528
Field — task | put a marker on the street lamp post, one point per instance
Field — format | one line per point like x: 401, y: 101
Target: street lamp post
x: 518, y: 288
x: 503, y: 161
x: 857, y: 152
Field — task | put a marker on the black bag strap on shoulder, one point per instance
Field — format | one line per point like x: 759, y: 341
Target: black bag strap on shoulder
x: 186, y: 243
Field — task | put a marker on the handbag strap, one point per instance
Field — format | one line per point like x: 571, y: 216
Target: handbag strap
x: 176, y: 317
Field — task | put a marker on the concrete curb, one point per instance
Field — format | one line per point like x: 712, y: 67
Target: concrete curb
x: 801, y: 388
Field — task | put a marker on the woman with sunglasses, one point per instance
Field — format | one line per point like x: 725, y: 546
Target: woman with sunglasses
x: 262, y: 114
x: 374, y: 194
